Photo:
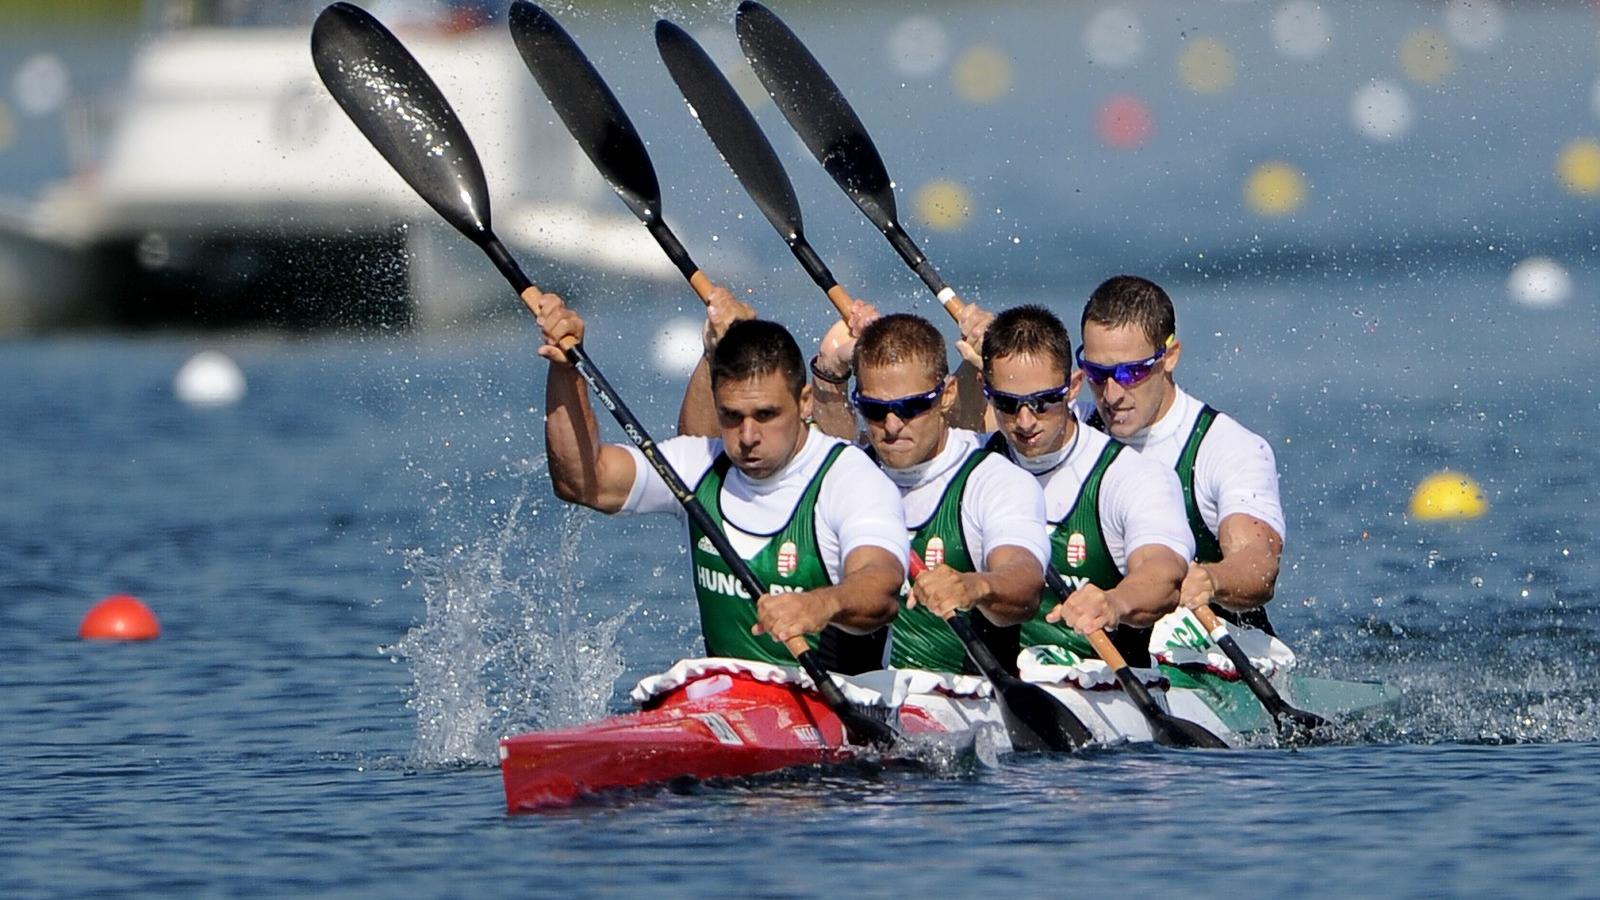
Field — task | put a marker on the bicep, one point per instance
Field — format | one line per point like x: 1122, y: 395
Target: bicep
x: 1157, y: 562
x: 1241, y: 533
x: 873, y: 560
x: 617, y: 472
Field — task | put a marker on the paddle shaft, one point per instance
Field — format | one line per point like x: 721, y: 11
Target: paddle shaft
x: 1270, y: 699
x: 1108, y: 651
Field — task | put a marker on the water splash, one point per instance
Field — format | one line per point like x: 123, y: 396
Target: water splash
x: 508, y: 642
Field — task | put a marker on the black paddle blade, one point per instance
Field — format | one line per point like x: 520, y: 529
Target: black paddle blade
x: 743, y: 145
x: 383, y: 89
x: 1032, y: 707
x: 1294, y: 726
x: 587, y: 107
x: 1298, y: 728
x: 1166, y: 729
x: 817, y: 111
x: 1171, y: 731
x: 864, y: 729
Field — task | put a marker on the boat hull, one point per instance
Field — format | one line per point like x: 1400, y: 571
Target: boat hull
x: 733, y: 723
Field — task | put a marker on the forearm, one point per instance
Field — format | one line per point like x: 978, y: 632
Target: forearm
x: 866, y: 599
x: 1007, y: 594
x: 572, y: 437
x: 971, y: 407
x: 831, y: 409
x: 1145, y: 596
x: 1245, y: 579
x: 698, y: 413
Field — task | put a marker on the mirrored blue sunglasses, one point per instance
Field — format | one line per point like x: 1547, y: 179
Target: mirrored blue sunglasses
x: 1127, y: 374
x: 905, y: 408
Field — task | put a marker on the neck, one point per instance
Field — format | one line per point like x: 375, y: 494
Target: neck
x: 914, y: 474
x: 1044, y: 462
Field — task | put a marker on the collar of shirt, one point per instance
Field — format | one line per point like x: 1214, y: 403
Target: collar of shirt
x: 1172, y: 428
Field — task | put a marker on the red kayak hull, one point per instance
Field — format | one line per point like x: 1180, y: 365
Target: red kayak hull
x: 724, y: 725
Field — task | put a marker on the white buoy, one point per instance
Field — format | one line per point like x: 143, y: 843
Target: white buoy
x: 918, y: 46
x: 41, y: 84
x: 209, y: 379
x: 1302, y: 29
x: 1474, y: 24
x: 1540, y: 282
x: 1114, y: 38
x: 678, y: 348
x: 1381, y: 111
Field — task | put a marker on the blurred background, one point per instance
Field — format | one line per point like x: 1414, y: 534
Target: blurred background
x: 176, y: 163
x: 250, y: 378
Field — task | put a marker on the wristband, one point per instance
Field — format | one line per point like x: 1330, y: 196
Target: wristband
x: 824, y: 376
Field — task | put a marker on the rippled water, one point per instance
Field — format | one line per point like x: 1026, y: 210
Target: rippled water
x: 364, y: 581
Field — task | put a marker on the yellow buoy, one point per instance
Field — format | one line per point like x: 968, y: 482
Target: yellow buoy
x: 982, y: 74
x: 1426, y: 58
x: 1275, y: 189
x: 1579, y: 167
x: 1448, y: 495
x: 944, y: 205
x: 1207, y: 66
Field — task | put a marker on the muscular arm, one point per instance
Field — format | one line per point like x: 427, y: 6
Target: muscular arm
x: 1150, y: 589
x: 582, y: 469
x: 865, y: 599
x: 698, y: 413
x: 1247, y: 575
x: 972, y: 410
x: 1008, y: 590
x: 831, y: 409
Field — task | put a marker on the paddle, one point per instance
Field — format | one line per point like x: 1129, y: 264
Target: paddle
x: 744, y: 147
x: 597, y: 121
x: 402, y: 112
x: 1052, y: 725
x: 1293, y: 725
x: 819, y: 113
x: 1164, y: 727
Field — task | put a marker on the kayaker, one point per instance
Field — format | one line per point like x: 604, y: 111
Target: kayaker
x: 976, y: 520
x: 816, y: 520
x: 1117, y: 528
x: 1228, y: 473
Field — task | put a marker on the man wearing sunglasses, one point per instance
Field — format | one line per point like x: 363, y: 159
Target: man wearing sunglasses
x: 816, y: 520
x: 1228, y: 473
x: 976, y: 521
x: 1116, y: 521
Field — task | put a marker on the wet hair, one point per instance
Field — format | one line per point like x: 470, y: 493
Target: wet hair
x: 1027, y: 331
x: 1131, y: 300
x: 755, y: 347
x: 900, y: 338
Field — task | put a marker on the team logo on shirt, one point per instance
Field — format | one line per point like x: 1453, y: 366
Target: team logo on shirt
x: 788, y: 558
x: 1077, y: 549
x: 933, y: 555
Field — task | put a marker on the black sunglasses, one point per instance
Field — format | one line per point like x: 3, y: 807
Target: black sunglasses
x: 1010, y: 404
x: 906, y: 408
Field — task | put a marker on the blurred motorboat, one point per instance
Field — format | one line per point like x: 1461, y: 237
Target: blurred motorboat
x: 233, y: 190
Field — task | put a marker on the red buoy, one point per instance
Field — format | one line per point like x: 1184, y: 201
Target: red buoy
x: 119, y: 618
x: 1124, y: 122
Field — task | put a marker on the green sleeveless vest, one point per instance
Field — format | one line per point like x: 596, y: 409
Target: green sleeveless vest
x: 789, y: 562
x: 1078, y: 551
x: 1207, y: 549
x: 922, y: 640
x: 1206, y: 546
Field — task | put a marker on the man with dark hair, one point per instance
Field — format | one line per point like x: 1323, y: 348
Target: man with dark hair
x: 976, y: 521
x: 1228, y: 473
x: 1116, y: 519
x: 815, y: 519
